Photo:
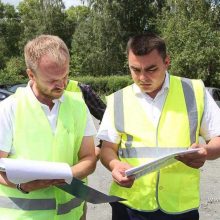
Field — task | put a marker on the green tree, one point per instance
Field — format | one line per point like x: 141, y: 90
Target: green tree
x: 193, y: 39
x: 3, y: 52
x: 104, y: 34
x: 14, y: 72
x: 74, y: 16
x: 10, y: 31
x: 43, y: 17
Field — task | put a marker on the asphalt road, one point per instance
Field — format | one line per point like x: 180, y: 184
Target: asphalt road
x: 209, y: 189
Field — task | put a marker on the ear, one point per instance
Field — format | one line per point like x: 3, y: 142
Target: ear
x: 30, y: 74
x: 167, y: 61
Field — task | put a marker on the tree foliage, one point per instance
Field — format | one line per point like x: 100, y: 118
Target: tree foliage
x: 193, y: 39
x: 10, y: 30
x: 97, y: 34
x: 32, y: 18
x: 14, y: 72
x: 43, y: 17
x: 104, y: 34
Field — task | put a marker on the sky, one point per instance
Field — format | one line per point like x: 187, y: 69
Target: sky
x: 67, y: 3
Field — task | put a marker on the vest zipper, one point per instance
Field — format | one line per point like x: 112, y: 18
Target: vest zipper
x: 158, y: 173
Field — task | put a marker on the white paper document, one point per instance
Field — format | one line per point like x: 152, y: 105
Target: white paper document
x: 157, y: 164
x: 22, y: 171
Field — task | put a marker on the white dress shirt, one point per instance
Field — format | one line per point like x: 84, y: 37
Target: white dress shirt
x: 7, y: 119
x: 210, y: 126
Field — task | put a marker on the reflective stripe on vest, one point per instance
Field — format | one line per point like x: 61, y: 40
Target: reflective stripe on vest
x: 191, y: 107
x: 150, y: 152
x: 119, y: 120
x: 39, y: 204
x: 119, y: 116
x: 27, y: 204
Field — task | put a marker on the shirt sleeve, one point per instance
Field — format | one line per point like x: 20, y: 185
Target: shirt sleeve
x: 107, y: 131
x: 6, y: 124
x: 210, y: 125
x: 90, y: 129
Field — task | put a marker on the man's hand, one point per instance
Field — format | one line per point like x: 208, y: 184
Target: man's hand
x: 118, y: 174
x: 110, y: 160
x: 195, y: 159
x: 40, y: 184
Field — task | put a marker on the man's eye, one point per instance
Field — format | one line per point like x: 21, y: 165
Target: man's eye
x: 136, y: 70
x: 152, y: 70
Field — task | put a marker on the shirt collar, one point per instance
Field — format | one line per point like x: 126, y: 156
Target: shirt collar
x: 31, y: 93
x: 165, y: 87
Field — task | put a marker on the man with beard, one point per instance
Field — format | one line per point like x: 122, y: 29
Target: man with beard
x: 44, y: 122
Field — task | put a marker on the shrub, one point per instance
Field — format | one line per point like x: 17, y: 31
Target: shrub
x: 105, y: 85
x: 14, y: 72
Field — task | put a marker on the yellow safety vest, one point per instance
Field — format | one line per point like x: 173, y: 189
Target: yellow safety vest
x: 34, y: 139
x: 175, y: 188
x: 73, y: 86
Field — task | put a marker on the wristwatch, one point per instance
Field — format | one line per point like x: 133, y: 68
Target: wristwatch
x: 18, y: 186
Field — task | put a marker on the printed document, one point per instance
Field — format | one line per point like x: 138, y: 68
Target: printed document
x: 157, y: 164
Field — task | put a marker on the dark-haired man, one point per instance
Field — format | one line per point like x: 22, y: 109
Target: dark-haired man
x: 159, y: 113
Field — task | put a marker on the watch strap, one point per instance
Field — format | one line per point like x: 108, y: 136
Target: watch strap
x: 18, y: 186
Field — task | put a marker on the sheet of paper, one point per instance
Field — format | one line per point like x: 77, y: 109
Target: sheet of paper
x: 156, y: 164
x: 22, y: 171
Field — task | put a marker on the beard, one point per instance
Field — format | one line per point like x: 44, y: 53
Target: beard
x: 50, y: 94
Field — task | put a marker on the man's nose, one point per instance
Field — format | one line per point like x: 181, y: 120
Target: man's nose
x: 143, y: 76
x: 61, y: 84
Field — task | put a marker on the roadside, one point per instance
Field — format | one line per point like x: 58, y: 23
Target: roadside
x: 210, y: 193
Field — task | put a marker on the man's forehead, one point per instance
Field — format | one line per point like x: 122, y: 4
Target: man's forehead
x: 53, y: 60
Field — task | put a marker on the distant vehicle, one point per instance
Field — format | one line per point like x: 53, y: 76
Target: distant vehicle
x: 6, y: 91
x: 4, y: 94
x: 215, y: 93
x: 13, y: 88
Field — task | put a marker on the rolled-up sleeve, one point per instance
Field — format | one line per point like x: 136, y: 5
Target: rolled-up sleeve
x: 107, y: 131
x: 90, y: 129
x: 7, y: 107
x: 210, y: 125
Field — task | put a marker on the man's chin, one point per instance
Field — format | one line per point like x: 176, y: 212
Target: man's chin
x: 57, y: 95
x: 146, y: 89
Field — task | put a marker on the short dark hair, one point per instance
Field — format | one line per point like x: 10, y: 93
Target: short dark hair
x: 145, y: 43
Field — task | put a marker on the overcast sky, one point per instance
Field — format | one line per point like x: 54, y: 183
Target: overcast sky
x: 67, y: 3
